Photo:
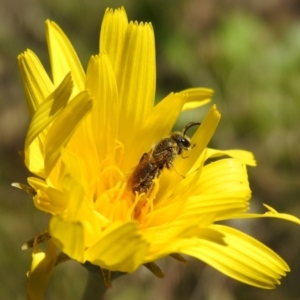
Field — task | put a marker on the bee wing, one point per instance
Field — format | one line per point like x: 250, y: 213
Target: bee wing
x: 145, y: 158
x: 142, y: 176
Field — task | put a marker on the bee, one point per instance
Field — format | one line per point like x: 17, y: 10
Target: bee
x: 159, y: 157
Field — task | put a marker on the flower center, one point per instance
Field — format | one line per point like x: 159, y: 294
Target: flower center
x: 113, y: 198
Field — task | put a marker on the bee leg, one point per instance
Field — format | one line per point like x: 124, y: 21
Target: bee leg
x: 170, y: 165
x: 184, y: 157
x: 179, y: 173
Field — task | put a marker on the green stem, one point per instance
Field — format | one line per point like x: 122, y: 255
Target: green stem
x: 95, y: 288
x: 96, y: 285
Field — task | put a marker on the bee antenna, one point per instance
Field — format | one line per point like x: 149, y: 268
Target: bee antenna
x: 188, y: 126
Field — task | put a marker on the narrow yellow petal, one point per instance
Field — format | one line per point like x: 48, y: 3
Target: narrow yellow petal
x: 48, y: 110
x: 196, y: 97
x: 63, y: 128
x: 219, y: 206
x: 71, y: 169
x: 242, y: 258
x: 226, y: 175
x: 78, y: 226
x: 37, y: 84
x: 47, y: 199
x: 271, y: 213
x: 121, y: 248
x: 246, y: 156
x: 68, y: 227
x: 34, y: 157
x: 63, y: 57
x: 165, y: 213
x: 112, y: 34
x: 136, y: 76
x: 200, y: 139
x: 68, y: 236
x: 101, y: 83
x: 82, y: 139
x: 172, y: 239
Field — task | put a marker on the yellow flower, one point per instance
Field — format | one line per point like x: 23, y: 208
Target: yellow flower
x: 88, y: 133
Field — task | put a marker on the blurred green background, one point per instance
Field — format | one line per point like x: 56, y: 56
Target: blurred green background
x: 247, y: 51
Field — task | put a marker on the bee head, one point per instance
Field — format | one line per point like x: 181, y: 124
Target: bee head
x: 182, y: 140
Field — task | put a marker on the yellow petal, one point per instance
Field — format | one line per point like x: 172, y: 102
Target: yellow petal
x: 48, y: 110
x: 64, y: 127
x: 101, y: 83
x: 164, y: 213
x: 172, y: 239
x: 37, y: 84
x: 68, y: 236
x: 121, y: 248
x: 43, y: 117
x: 200, y: 139
x: 40, y: 272
x: 220, y: 207
x: 271, y: 213
x: 34, y: 157
x: 71, y: 168
x: 79, y: 216
x: 246, y: 156
x: 66, y: 228
x: 221, y: 189
x: 112, y: 34
x: 242, y: 258
x: 81, y: 140
x: 47, y: 199
x: 136, y: 76
x: 226, y: 175
x: 63, y: 57
x: 196, y: 97
x: 222, y: 192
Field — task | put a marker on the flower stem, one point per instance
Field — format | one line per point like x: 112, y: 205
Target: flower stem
x: 95, y: 288
x: 98, y: 282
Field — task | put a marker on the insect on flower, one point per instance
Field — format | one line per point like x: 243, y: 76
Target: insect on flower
x: 159, y: 157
